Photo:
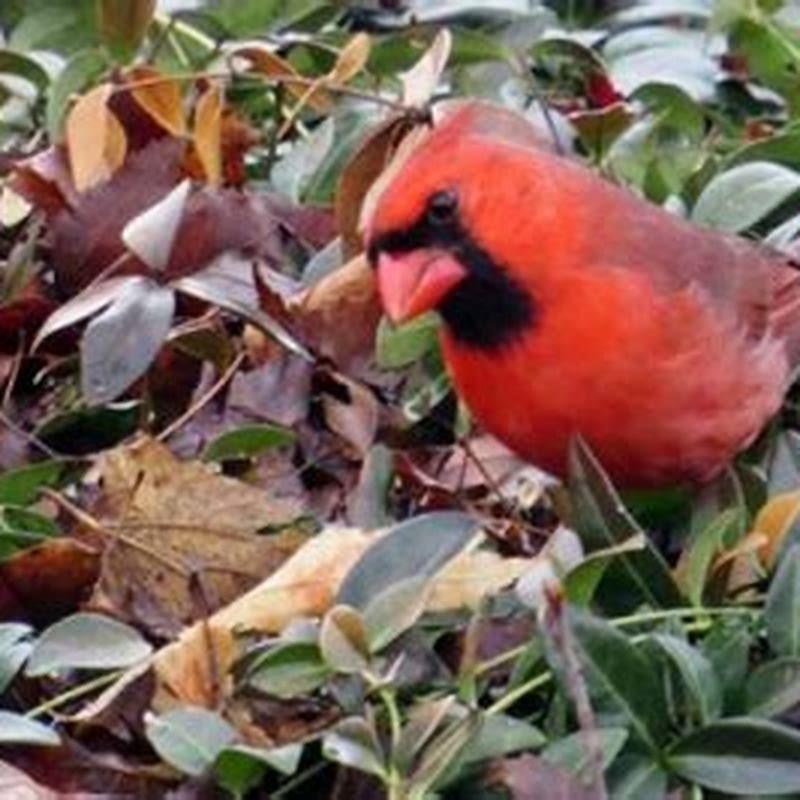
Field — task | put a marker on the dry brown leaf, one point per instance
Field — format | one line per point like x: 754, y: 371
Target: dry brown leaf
x: 352, y: 412
x: 774, y: 521
x: 420, y: 82
x: 305, y: 586
x: 186, y: 537
x: 340, y: 314
x: 208, y: 132
x: 352, y: 59
x: 267, y: 62
x: 49, y: 580
x: 96, y: 141
x: 360, y: 173
x: 160, y: 97
x: 125, y: 21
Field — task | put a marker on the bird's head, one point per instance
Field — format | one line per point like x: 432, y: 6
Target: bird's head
x: 435, y: 233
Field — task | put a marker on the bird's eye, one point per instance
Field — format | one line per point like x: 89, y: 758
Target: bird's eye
x: 442, y: 207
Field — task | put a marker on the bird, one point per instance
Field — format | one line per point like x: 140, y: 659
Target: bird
x: 573, y: 307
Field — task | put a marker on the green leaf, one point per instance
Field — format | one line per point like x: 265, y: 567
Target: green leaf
x: 500, y: 735
x: 289, y: 670
x: 582, y: 581
x: 343, y: 640
x: 83, y: 431
x: 740, y: 755
x: 739, y: 198
x: 354, y: 743
x: 248, y: 441
x: 601, y: 520
x: 727, y: 646
x: 119, y: 345
x: 11, y: 633
x: 14, y: 651
x: 696, y: 672
x: 241, y: 768
x: 81, y: 71
x: 189, y: 739
x: 252, y: 17
x: 782, y: 609
x: 17, y: 729
x: 21, y: 528
x: 438, y: 757
x: 20, y: 487
x: 23, y: 66
x: 619, y: 671
x: 683, y: 65
x: 634, y: 777
x: 697, y: 557
x: 399, y: 346
x: 368, y: 506
x: 86, y: 641
x: 394, y: 610
x: 774, y: 688
x: 292, y: 174
x: 417, y: 547
x: 570, y: 752
x: 58, y: 25
x: 424, y: 720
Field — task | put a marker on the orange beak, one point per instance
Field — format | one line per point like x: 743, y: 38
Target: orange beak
x: 412, y: 283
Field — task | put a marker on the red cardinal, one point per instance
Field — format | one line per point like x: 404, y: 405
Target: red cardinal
x: 571, y: 306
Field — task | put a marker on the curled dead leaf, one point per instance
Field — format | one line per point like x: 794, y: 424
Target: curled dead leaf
x: 159, y: 96
x: 352, y: 59
x: 265, y: 61
x: 337, y: 316
x: 774, y: 521
x: 351, y: 411
x: 208, y: 132
x: 420, y: 82
x: 360, y: 173
x: 96, y: 141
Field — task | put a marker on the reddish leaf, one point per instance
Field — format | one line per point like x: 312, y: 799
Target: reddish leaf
x: 528, y: 777
x: 47, y: 581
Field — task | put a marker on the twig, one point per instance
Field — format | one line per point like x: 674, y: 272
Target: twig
x: 31, y: 438
x: 273, y: 80
x: 115, y: 536
x: 74, y: 693
x: 204, y: 400
x: 556, y: 627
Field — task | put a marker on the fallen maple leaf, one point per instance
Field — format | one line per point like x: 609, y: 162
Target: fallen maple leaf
x: 183, y: 539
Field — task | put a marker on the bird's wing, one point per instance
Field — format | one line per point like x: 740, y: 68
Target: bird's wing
x: 756, y: 284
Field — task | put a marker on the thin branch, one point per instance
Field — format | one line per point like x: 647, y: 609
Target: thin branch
x: 204, y: 400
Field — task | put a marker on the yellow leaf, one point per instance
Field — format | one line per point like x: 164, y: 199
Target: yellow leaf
x: 352, y: 59
x: 774, y: 521
x: 160, y: 97
x: 96, y: 141
x: 268, y: 63
x: 208, y: 133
